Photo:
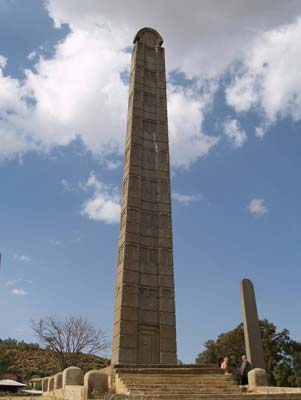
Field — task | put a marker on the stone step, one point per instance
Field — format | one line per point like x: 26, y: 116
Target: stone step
x: 191, y: 396
x: 173, y: 371
x: 177, y: 385
x: 174, y: 378
x: 178, y: 382
x: 165, y: 366
x: 180, y: 376
x: 165, y: 385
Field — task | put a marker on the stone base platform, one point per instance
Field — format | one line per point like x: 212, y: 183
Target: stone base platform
x: 183, y: 382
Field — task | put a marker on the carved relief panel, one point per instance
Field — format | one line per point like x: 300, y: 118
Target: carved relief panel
x: 149, y: 189
x: 150, y: 224
x: 149, y: 159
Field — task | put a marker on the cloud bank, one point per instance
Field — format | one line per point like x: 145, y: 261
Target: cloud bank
x: 80, y: 90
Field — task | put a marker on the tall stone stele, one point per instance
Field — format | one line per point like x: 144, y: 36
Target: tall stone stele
x: 253, y: 343
x: 144, y: 322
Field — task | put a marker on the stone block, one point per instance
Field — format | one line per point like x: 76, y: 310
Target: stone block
x: 166, y: 281
x: 167, y: 332
x: 51, y: 384
x: 127, y: 327
x: 168, y: 358
x: 128, y: 341
x: 45, y: 384
x: 253, y: 343
x: 168, y: 346
x: 146, y: 226
x: 257, y: 377
x: 58, y: 381
x: 167, y: 318
x: 127, y: 356
x: 95, y: 384
x: 72, y: 376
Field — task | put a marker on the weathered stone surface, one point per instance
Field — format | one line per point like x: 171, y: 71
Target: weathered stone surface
x: 51, y: 384
x: 254, y: 350
x: 72, y: 376
x: 95, y: 384
x: 58, y: 381
x: 257, y: 377
x: 144, y: 299
x: 45, y: 384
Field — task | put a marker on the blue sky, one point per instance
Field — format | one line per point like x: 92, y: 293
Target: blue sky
x: 234, y: 89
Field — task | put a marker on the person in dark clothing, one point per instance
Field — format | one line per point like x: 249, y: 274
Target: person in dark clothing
x: 244, y: 369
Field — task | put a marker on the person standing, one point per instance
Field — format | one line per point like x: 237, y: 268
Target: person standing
x: 225, y: 365
x: 244, y: 369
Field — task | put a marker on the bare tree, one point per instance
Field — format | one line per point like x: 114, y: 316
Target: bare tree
x: 70, y: 337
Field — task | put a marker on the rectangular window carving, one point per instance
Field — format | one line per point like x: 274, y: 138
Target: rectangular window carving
x: 130, y: 252
x: 163, y: 157
x: 143, y: 255
x: 136, y: 152
x: 164, y: 187
x: 133, y: 216
x: 150, y: 75
x: 137, y: 96
x: 136, y: 123
x: 153, y: 188
x: 161, y: 75
x: 149, y: 126
x: 150, y: 99
x: 166, y: 257
x: 149, y: 256
x: 134, y: 182
x: 165, y: 220
x: 149, y: 158
x: 153, y: 256
x: 150, y: 188
x: 139, y: 73
x: 162, y: 101
x: 149, y: 220
x: 149, y: 54
x: 162, y: 127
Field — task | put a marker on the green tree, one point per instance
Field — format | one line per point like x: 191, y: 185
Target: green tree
x: 5, y: 363
x: 282, y: 355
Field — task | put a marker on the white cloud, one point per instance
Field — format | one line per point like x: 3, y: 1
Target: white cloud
x: 257, y: 207
x: 235, y: 133
x: 260, y: 131
x: 186, y: 198
x: 22, y: 258
x: 79, y: 91
x: 67, y: 187
x: 211, y: 36
x: 19, y: 292
x: 111, y: 165
x: 270, y: 79
x: 11, y: 283
x: 15, y: 281
x: 31, y: 55
x: 185, y: 116
x: 3, y: 61
x: 55, y: 242
x: 104, y: 205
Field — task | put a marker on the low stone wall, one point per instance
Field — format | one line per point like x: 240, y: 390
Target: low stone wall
x: 71, y: 384
x: 257, y: 378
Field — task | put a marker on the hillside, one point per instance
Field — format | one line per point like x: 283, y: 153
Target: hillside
x: 28, y: 359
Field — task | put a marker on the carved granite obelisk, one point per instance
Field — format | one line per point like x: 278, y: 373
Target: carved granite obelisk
x: 144, y: 320
x: 252, y: 334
